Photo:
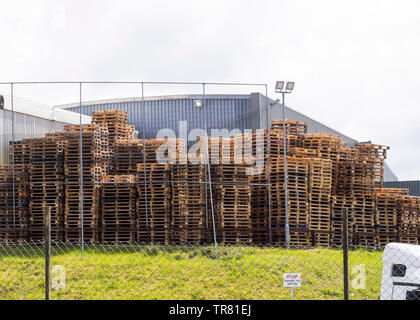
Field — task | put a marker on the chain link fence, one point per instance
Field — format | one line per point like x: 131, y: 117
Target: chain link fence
x: 111, y: 202
x: 153, y: 271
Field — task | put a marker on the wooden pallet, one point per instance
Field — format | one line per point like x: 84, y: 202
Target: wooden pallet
x: 376, y: 155
x: 19, y: 152
x: 408, y: 218
x: 297, y: 185
x: 154, y: 203
x: 386, y: 212
x: 96, y: 157
x: 168, y: 150
x: 338, y: 204
x: 14, y: 198
x: 113, y: 116
x: 188, y: 219
x: 293, y: 127
x: 399, y: 191
x: 232, y: 203
x: 128, y: 154
x: 46, y: 183
x: 118, y: 209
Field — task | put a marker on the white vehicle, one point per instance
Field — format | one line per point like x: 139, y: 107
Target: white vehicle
x: 401, y: 272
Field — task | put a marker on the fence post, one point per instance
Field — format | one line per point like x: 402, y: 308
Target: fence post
x: 47, y: 252
x: 346, y: 253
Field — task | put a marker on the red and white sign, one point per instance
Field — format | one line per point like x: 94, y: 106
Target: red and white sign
x: 291, y: 280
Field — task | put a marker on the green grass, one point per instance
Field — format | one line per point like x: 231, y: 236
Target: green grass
x: 169, y: 272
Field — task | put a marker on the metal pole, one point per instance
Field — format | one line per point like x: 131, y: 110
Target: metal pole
x: 81, y: 172
x: 47, y: 216
x: 13, y: 159
x: 208, y: 170
x: 345, y: 254
x: 286, y: 198
x: 268, y: 173
x: 144, y: 160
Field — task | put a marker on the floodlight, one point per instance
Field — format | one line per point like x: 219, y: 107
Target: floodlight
x: 290, y: 86
x: 198, y: 103
x: 275, y: 102
x: 279, y: 86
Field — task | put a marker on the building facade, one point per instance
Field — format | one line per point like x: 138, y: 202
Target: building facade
x: 413, y: 186
x: 30, y: 120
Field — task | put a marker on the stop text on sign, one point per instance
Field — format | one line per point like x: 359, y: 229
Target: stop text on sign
x: 291, y: 280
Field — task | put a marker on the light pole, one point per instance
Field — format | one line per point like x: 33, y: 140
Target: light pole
x: 283, y: 90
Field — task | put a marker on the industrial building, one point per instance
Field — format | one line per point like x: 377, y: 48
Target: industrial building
x: 26, y: 119
x: 413, y: 186
x: 230, y: 111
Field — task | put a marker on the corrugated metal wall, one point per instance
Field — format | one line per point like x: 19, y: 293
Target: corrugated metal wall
x: 153, y: 115
x: 413, y: 186
x: 25, y: 127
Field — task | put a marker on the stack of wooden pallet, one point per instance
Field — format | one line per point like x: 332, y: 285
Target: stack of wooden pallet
x: 219, y: 150
x: 116, y: 122
x: 394, y: 205
x: 303, y: 153
x: 188, y: 219
x: 295, y: 134
x: 231, y: 192
x: 375, y: 155
x: 369, y: 172
x: 250, y: 148
x: 262, y: 144
x: 275, y: 142
x: 409, y: 219
x: 298, y: 208
x: 232, y: 203
x: 46, y: 177
x: 338, y: 204
x: 165, y: 150
x: 320, y: 177
x: 118, y: 204
x: 14, y: 195
x: 88, y: 164
x: 258, y: 147
x: 172, y: 202
x: 364, y: 221
x: 328, y: 147
x: 5, y: 204
x: 259, y: 201
x: 293, y: 127
x: 19, y: 157
x: 386, y: 214
x: 19, y: 152
x: 128, y: 154
x: 355, y: 183
x: 348, y: 183
x: 154, y: 203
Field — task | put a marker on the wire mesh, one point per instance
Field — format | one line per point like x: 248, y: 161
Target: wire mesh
x: 156, y: 271
x: 143, y: 245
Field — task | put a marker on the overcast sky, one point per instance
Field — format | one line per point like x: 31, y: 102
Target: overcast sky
x: 356, y: 63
